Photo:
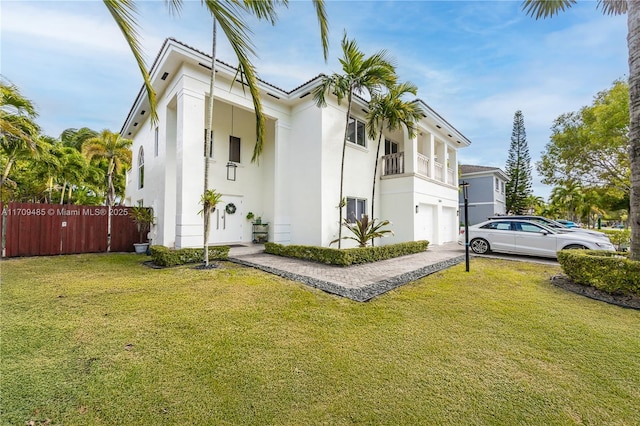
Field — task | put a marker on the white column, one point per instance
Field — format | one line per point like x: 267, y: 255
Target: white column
x: 190, y: 167
x: 410, y: 154
x: 432, y: 155
x: 453, y: 160
x: 282, y: 188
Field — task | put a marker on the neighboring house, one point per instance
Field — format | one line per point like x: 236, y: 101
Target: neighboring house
x: 486, y: 192
x: 295, y: 185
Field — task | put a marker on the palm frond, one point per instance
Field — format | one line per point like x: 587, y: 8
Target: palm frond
x: 124, y: 14
x: 545, y: 8
x: 613, y: 7
x: 323, y: 22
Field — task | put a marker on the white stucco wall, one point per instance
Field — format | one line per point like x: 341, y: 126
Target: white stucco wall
x: 295, y: 185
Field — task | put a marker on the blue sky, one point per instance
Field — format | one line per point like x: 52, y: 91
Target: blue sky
x: 475, y: 62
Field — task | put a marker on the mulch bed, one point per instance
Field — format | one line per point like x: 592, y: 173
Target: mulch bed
x: 562, y: 281
x: 212, y: 265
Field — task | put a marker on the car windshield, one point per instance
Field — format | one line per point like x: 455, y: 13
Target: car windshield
x: 548, y: 222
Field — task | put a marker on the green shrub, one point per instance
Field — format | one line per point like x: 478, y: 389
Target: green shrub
x: 621, y: 238
x: 346, y: 257
x: 163, y: 256
x: 608, y: 271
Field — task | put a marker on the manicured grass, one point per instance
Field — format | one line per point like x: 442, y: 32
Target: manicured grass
x: 103, y: 340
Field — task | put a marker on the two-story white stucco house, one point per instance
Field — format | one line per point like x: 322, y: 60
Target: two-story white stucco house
x: 295, y: 185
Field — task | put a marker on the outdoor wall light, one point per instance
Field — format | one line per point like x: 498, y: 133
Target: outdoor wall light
x: 231, y: 170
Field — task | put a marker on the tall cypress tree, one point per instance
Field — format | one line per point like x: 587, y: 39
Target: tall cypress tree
x: 518, y: 168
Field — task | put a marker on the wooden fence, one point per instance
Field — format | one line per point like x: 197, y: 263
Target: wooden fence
x: 30, y: 229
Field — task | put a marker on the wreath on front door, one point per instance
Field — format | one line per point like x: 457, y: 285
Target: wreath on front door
x: 230, y: 208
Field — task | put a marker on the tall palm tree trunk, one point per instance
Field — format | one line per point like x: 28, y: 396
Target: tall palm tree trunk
x: 7, y: 168
x: 344, y: 150
x: 64, y: 186
x: 633, y: 42
x: 208, y: 141
x: 375, y: 175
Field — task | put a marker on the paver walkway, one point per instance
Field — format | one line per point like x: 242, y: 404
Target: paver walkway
x: 357, y: 282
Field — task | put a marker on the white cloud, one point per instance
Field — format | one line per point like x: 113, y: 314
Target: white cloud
x: 59, y: 27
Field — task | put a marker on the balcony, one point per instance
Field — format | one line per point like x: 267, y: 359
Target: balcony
x: 394, y: 164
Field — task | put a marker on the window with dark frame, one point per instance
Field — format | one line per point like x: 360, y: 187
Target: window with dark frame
x: 355, y: 132
x: 141, y: 168
x: 390, y: 147
x: 234, y: 149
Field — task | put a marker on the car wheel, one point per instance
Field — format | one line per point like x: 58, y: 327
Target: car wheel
x: 479, y: 246
x: 575, y: 247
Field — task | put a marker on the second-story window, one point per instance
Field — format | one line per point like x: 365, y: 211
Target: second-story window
x: 155, y: 142
x: 497, y: 184
x: 390, y: 147
x: 141, y: 168
x: 355, y: 133
x: 234, y: 149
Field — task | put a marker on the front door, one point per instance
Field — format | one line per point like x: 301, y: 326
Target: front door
x: 226, y: 224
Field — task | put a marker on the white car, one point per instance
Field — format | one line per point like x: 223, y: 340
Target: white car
x: 518, y: 236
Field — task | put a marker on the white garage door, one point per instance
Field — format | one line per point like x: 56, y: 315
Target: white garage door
x: 449, y: 229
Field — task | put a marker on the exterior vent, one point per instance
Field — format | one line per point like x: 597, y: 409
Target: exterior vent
x: 305, y: 94
x: 272, y: 95
x: 164, y: 76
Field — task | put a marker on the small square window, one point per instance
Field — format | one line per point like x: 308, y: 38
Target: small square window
x: 356, y: 208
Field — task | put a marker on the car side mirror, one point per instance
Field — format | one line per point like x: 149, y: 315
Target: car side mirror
x: 544, y: 232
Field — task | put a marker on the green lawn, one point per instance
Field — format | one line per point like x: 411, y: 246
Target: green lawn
x: 101, y: 339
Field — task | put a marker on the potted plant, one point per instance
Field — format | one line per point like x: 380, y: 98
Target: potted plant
x: 250, y: 216
x: 143, y: 218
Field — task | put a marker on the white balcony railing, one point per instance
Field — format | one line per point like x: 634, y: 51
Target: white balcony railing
x: 438, y: 171
x: 450, y: 177
x: 423, y: 165
x: 393, y: 164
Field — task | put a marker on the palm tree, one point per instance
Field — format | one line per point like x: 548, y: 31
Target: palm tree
x: 18, y: 131
x: 74, y: 138
x: 116, y: 150
x: 568, y: 198
x: 544, y: 9
x: 361, y: 75
x: 391, y: 110
x: 16, y: 116
x: 229, y: 15
x: 534, y: 204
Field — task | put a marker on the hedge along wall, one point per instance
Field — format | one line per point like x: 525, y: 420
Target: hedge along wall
x: 163, y: 256
x: 608, y: 271
x: 346, y: 257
